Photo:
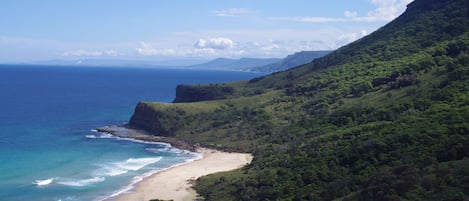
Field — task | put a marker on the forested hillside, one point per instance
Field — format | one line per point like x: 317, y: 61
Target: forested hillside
x: 383, y: 118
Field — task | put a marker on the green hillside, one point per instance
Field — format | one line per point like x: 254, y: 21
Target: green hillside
x: 383, y: 118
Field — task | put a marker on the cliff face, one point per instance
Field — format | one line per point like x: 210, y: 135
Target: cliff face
x: 187, y: 93
x: 147, y: 118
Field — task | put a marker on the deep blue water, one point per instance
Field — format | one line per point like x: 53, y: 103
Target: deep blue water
x: 46, y: 119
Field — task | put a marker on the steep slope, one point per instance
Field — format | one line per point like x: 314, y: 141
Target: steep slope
x: 383, y: 118
x: 299, y: 58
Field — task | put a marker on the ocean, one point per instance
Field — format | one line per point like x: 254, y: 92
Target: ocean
x: 48, y: 148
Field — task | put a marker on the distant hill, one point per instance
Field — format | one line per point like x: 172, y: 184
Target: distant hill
x: 299, y: 58
x: 245, y: 64
x: 262, y: 65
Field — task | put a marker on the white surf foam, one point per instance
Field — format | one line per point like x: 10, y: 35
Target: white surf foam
x: 142, y: 141
x: 109, y: 170
x: 116, y: 172
x: 44, y: 182
x: 100, y: 135
x: 140, y: 178
x: 82, y: 182
x: 136, y: 163
x: 91, y: 136
x: 157, y: 150
x: 168, y: 149
x: 105, y: 135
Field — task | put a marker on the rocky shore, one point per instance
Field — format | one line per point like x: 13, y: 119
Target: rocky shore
x: 127, y: 132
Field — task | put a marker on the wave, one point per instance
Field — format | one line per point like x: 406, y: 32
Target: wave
x: 82, y: 182
x: 136, y: 163
x: 140, y: 178
x: 105, y: 135
x: 122, y: 167
x: 109, y: 170
x: 142, y: 141
x: 100, y: 135
x: 197, y: 156
x: 44, y: 182
x: 169, y: 149
x: 131, y: 185
x: 158, y: 150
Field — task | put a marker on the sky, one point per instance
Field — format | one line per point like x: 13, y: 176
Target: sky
x: 32, y: 30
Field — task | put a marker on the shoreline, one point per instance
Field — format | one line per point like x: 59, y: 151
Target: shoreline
x: 175, y: 183
x: 126, y: 132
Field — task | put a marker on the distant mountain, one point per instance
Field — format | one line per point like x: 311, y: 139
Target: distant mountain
x: 262, y: 65
x: 299, y: 58
x: 243, y: 64
x: 234, y: 64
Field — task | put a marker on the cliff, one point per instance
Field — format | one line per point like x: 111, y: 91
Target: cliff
x: 154, y: 121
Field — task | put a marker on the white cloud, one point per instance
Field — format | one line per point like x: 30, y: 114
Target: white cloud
x: 269, y: 47
x: 364, y: 32
x: 231, y: 12
x: 385, y: 11
x: 308, y: 19
x: 264, y: 43
x: 85, y: 53
x: 147, y: 49
x: 349, y: 37
x: 388, y: 9
x: 214, y: 43
x: 350, y: 14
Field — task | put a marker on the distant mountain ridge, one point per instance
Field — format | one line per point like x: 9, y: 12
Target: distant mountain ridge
x: 296, y: 59
x: 234, y: 64
x: 262, y: 65
x: 242, y: 64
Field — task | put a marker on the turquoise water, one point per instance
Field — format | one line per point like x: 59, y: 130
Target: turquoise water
x: 47, y: 115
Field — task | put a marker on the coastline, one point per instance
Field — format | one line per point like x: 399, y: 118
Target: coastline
x: 126, y: 132
x: 175, y: 183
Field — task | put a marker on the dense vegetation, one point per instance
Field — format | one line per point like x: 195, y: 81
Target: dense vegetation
x: 383, y: 118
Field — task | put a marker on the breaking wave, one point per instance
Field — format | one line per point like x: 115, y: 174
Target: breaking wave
x: 81, y: 182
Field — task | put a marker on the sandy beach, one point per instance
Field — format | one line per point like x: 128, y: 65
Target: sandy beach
x: 175, y: 183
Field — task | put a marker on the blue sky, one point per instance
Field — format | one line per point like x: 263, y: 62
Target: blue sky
x: 33, y: 30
